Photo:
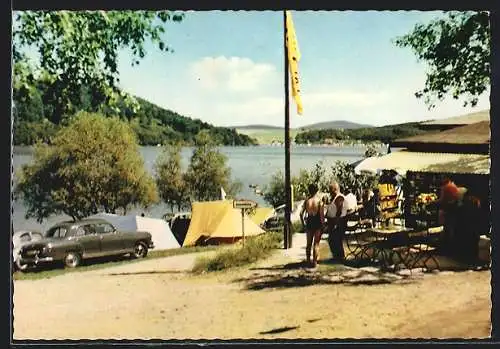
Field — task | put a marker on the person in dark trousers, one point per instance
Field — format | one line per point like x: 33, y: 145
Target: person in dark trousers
x: 337, y: 222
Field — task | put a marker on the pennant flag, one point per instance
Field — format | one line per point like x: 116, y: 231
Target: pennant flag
x: 293, y: 60
x: 222, y: 193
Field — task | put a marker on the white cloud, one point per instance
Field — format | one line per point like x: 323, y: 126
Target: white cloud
x: 234, y: 74
x: 252, y: 109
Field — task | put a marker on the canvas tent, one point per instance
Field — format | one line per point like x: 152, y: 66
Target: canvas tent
x: 162, y: 236
x: 218, y: 221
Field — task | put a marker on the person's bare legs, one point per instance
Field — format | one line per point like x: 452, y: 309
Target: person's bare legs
x: 317, y: 240
x: 310, y: 237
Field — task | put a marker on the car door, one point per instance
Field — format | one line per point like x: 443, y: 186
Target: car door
x: 111, y: 240
x: 89, y: 240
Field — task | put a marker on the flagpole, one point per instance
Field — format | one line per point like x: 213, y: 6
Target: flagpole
x: 288, y: 226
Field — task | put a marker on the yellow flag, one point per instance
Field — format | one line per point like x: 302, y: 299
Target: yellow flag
x: 293, y: 60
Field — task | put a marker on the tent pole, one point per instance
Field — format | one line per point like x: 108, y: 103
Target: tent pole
x: 287, y: 227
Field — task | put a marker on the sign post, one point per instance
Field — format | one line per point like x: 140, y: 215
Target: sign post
x: 243, y: 205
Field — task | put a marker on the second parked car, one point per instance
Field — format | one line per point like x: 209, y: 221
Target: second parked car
x: 72, y: 242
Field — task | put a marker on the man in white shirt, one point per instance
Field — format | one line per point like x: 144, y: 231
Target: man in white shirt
x: 337, y: 222
x: 351, y: 202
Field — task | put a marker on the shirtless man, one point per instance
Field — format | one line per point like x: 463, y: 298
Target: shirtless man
x: 313, y: 222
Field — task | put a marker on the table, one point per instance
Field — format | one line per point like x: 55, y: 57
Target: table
x: 390, y: 242
x: 412, y: 247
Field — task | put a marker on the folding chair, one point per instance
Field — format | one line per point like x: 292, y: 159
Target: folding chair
x: 423, y: 249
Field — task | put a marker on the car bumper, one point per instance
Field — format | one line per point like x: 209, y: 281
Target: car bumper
x: 151, y: 246
x: 36, y: 260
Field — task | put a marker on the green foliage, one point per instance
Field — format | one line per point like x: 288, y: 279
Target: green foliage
x: 28, y: 133
x: 342, y: 172
x: 317, y: 175
x: 93, y: 164
x: 80, y: 48
x: 208, y: 171
x: 274, y: 192
x: 170, y: 180
x: 256, y: 248
x: 456, y: 49
x: 155, y: 125
x: 371, y: 151
x: 384, y: 134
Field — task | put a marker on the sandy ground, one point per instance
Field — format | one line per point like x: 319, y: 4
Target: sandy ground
x: 157, y: 299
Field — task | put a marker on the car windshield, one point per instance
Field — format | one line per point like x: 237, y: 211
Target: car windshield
x: 36, y: 236
x: 57, y: 232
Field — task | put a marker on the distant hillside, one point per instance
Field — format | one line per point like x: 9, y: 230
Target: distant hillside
x: 152, y: 124
x: 337, y: 124
x: 383, y: 134
x: 258, y: 127
x: 320, y: 125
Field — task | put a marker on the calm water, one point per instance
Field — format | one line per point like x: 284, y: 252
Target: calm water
x: 249, y: 165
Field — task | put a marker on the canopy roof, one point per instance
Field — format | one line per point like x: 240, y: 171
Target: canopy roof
x: 404, y: 160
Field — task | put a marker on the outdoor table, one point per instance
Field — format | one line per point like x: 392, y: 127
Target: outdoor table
x: 389, y: 242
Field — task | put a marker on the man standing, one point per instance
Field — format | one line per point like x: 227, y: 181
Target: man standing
x: 337, y: 222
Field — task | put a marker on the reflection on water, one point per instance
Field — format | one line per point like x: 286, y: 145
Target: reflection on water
x: 249, y: 165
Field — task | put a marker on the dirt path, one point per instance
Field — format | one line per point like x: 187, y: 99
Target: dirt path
x: 155, y: 299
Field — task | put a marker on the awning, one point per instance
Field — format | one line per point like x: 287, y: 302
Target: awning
x: 403, y: 161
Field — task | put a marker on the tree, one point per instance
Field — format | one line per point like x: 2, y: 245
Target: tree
x: 274, y: 192
x: 342, y: 172
x: 80, y: 48
x: 457, y: 51
x: 371, y: 151
x: 208, y: 172
x: 170, y: 178
x: 93, y: 164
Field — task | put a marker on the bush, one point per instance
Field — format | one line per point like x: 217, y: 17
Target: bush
x: 255, y: 248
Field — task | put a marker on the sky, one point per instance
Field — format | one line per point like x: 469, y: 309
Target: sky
x: 227, y: 69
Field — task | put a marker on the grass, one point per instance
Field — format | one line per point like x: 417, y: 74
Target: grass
x: 256, y: 248
x: 48, y: 271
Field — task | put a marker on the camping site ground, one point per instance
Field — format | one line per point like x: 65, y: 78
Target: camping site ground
x: 160, y: 299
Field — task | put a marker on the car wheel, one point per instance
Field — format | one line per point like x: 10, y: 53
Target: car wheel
x: 72, y: 260
x: 140, y: 250
x: 20, y: 265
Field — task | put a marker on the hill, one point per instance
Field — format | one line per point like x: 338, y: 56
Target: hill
x: 384, y: 134
x: 258, y: 127
x: 337, y: 124
x: 34, y: 120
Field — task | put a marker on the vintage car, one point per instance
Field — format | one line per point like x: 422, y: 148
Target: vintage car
x: 71, y: 242
x: 19, y: 239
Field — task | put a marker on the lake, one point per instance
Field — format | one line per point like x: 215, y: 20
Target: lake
x: 249, y: 165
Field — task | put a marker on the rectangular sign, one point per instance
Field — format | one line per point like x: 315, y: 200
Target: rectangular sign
x: 242, y: 204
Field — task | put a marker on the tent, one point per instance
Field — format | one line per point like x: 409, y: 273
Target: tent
x: 261, y: 214
x: 162, y: 236
x: 218, y: 221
